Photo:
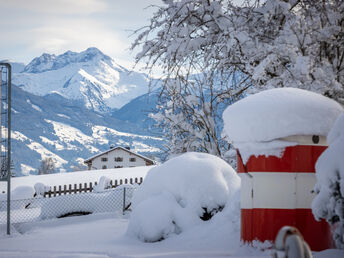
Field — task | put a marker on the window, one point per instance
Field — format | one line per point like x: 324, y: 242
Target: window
x: 104, y: 167
x: 118, y: 159
x: 104, y: 159
x: 132, y: 159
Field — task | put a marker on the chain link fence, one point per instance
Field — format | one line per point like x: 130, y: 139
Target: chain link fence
x: 70, y: 204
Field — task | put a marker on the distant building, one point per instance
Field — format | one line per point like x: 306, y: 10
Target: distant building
x: 117, y: 157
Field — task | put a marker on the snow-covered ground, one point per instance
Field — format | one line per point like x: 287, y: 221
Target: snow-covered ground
x: 109, y: 234
x: 103, y: 235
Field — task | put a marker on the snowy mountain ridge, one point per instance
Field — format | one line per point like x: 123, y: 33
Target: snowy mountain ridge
x: 90, y: 77
x: 56, y: 127
x: 72, y: 106
x: 52, y: 62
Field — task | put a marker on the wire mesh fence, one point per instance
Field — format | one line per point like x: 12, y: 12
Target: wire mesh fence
x: 41, y: 208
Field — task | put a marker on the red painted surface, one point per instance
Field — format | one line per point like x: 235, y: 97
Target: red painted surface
x: 300, y: 158
x: 264, y: 224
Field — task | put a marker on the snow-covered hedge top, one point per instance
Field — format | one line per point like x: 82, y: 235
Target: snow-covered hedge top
x: 195, y: 180
x: 278, y: 113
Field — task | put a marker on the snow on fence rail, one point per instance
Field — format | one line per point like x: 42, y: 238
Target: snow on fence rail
x: 39, y: 208
x: 87, y: 187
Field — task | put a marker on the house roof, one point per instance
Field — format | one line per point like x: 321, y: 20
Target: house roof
x: 115, y: 148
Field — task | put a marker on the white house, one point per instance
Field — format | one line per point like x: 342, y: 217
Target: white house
x: 117, y: 157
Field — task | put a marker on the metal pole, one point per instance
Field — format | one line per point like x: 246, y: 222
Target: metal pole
x: 123, y: 200
x: 9, y: 148
x: 0, y: 112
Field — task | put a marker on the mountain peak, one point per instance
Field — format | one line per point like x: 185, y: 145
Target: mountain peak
x: 93, y: 50
x: 90, y: 77
x: 93, y: 53
x: 48, y: 62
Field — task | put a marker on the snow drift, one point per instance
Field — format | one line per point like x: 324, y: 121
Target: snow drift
x: 180, y: 193
x: 110, y: 200
x: 20, y: 197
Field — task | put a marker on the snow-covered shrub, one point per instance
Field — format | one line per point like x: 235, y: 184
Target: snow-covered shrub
x: 22, y: 192
x: 179, y: 193
x: 40, y: 189
x: 20, y: 197
x: 103, y: 184
x: 329, y: 202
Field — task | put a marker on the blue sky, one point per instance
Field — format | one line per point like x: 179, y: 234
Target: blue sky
x: 29, y: 28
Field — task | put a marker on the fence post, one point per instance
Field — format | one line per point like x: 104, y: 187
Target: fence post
x: 123, y: 199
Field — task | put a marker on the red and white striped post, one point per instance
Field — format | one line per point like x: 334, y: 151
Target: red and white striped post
x: 277, y: 191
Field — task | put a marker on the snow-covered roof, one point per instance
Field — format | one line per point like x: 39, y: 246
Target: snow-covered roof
x: 116, y: 148
x: 278, y: 113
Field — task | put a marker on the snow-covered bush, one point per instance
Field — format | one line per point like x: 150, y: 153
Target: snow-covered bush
x: 40, y: 189
x: 22, y: 192
x: 103, y: 184
x: 20, y: 197
x: 329, y: 202
x: 180, y: 193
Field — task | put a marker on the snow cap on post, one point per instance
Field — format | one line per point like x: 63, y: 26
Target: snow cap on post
x: 269, y: 116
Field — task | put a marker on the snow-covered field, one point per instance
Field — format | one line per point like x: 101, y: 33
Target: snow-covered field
x: 165, y: 204
x: 104, y: 235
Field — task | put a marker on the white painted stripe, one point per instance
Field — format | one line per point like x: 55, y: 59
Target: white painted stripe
x: 277, y: 190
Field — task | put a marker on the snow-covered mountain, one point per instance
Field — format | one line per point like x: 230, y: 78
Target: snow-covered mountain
x: 53, y: 126
x: 90, y: 78
x: 72, y: 106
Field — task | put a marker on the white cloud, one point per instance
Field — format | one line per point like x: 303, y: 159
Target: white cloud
x: 70, y: 34
x: 56, y: 6
x: 29, y: 28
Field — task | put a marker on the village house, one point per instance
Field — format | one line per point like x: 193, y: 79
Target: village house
x: 117, y: 157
